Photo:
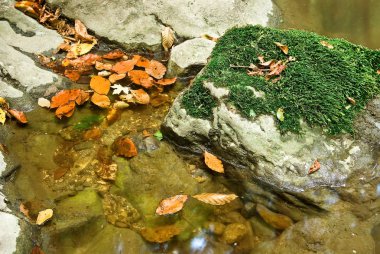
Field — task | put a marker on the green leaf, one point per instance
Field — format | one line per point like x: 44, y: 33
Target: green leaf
x: 158, y: 135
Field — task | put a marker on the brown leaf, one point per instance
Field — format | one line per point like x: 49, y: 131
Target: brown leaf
x: 73, y: 75
x: 100, y: 85
x: 37, y: 250
x: 141, y: 96
x: 115, y: 77
x: 160, y: 234
x: 215, y: 198
x: 159, y: 99
x: 125, y: 147
x: 64, y: 96
x: 101, y: 100
x: 18, y: 115
x: 93, y: 133
x: 124, y: 66
x: 213, y: 162
x: 24, y: 210
x: 60, y: 172
x: 326, y: 44
x: 141, y: 61
x: 283, y: 48
x: 114, y: 54
x: 209, y: 37
x: 168, y: 37
x: 81, y: 32
x: 63, y: 46
x: 351, y: 100
x: 166, y: 81
x: 86, y: 60
x: 29, y: 7
x: 103, y: 66
x: 140, y: 78
x: 315, y: 167
x: 65, y: 110
x: 82, y: 97
x: 171, y: 205
x: 156, y: 69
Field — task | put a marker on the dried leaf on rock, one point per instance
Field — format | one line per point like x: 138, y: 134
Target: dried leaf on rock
x: 171, y: 205
x: 156, y: 69
x: 18, y: 115
x: 100, y: 85
x: 141, y: 96
x: 118, y: 89
x: 213, y: 162
x: 2, y: 116
x: 141, y: 61
x: 37, y: 250
x: 101, y: 100
x: 114, y: 54
x: 81, y: 32
x: 215, y: 198
x: 73, y: 75
x: 125, y: 147
x: 167, y: 36
x: 103, y: 66
x: 315, y: 167
x: 44, y: 216
x: 63, y: 46
x: 166, y: 81
x: 140, y: 78
x: 283, y: 47
x: 42, y: 102
x: 160, y: 234
x: 116, y: 77
x: 326, y: 44
x: 280, y: 114
x: 65, y: 110
x: 124, y: 66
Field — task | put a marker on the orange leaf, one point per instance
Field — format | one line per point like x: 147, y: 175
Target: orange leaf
x: 156, y: 69
x: 101, y: 100
x: 124, y: 66
x: 65, y: 110
x: 37, y: 250
x: 141, y: 96
x: 283, y: 48
x: 213, y: 162
x: 93, y: 133
x: 114, y: 54
x: 100, y: 84
x: 215, y: 198
x: 20, y: 116
x: 24, y: 210
x: 115, y: 77
x: 63, y: 97
x: 315, y: 167
x: 146, y: 134
x: 125, y: 147
x: 103, y: 66
x: 73, y: 75
x: 86, y: 60
x: 82, y: 97
x: 140, y: 78
x: 141, y: 61
x: 171, y: 205
x: 378, y: 72
x: 166, y: 81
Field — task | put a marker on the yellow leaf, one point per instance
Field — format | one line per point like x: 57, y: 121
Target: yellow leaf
x: 167, y: 38
x: 171, y: 205
x: 326, y: 44
x: 79, y: 49
x: 2, y: 116
x: 44, y: 216
x: 280, y: 114
x: 215, y: 198
x: 213, y: 162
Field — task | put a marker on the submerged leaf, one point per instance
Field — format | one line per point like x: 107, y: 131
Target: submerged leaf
x: 276, y: 220
x: 73, y: 75
x: 315, y: 167
x: 160, y: 234
x: 65, y: 110
x: 213, y: 162
x: 125, y: 147
x: 215, y: 198
x: 44, y: 216
x: 280, y: 114
x: 171, y: 205
x: 168, y: 37
x: 37, y: 250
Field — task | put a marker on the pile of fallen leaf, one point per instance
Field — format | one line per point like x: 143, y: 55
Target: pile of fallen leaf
x: 7, y: 112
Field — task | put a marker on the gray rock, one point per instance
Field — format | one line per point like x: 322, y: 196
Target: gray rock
x: 189, y: 55
x: 9, y: 91
x: 8, y: 236
x: 139, y: 23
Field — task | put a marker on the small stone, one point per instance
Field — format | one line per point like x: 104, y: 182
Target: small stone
x: 234, y: 232
x: 276, y: 220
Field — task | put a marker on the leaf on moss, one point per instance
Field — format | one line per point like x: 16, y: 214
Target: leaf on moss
x: 351, y: 100
x: 160, y: 234
x: 284, y: 48
x: 280, y: 114
x: 215, y: 198
x: 315, y: 167
x: 326, y: 44
x: 213, y: 162
x: 171, y: 205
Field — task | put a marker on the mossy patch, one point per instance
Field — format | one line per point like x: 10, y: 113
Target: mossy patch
x: 314, y: 88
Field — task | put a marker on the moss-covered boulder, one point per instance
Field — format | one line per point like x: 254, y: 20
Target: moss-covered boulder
x: 327, y: 91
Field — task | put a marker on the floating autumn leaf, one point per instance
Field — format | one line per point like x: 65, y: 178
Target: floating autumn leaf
x: 37, y: 250
x: 156, y: 69
x: 215, y: 198
x: 283, y: 47
x: 171, y: 205
x: 81, y: 32
x: 100, y: 84
x: 315, y: 167
x: 103, y: 66
x: 326, y: 44
x: 73, y: 75
x: 79, y: 49
x: 65, y: 110
x: 82, y: 97
x: 141, y: 96
x: 166, y: 81
x: 351, y: 100
x: 44, y: 103
x: 160, y: 234
x: 168, y: 37
x: 280, y: 114
x: 141, y: 61
x: 2, y: 116
x: 118, y: 89
x: 213, y: 162
x: 140, y: 78
x: 101, y: 100
x: 63, y: 97
x: 125, y: 147
x: 116, y: 77
x: 18, y: 115
x: 86, y: 60
x: 114, y: 54
x: 44, y: 216
x: 124, y: 66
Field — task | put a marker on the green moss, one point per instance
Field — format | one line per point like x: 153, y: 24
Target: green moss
x: 87, y: 122
x: 314, y: 88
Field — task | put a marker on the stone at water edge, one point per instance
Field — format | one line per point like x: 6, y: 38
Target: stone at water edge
x: 276, y: 220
